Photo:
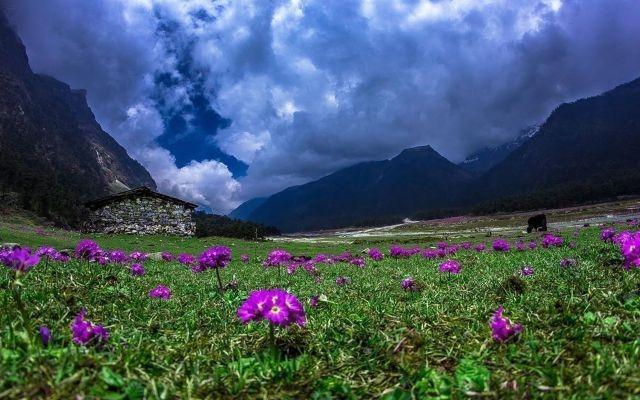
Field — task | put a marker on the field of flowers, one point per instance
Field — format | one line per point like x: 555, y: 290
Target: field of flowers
x: 547, y: 316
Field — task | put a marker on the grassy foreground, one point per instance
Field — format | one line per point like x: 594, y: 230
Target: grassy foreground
x: 369, y: 340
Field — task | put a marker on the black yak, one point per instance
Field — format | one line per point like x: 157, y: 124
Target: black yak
x: 537, y: 223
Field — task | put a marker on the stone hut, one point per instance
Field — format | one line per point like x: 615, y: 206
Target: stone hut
x: 141, y: 211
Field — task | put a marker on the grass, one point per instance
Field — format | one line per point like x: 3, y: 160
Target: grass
x: 369, y: 340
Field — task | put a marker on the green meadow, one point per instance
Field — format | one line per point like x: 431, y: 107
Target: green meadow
x: 368, y: 339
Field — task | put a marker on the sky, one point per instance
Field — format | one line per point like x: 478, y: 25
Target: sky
x: 223, y: 101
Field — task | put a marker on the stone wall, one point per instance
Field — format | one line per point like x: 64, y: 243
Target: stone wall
x: 142, y: 215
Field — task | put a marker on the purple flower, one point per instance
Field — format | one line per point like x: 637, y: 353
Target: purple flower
x: 466, y: 245
x: 358, y: 262
x: 429, y: 253
x: 322, y: 259
x: 567, y: 262
x: 62, y: 257
x: 101, y: 258
x: 502, y: 329
x: 292, y: 267
x: 622, y: 237
x: 214, y: 258
x: 441, y: 245
x: 526, y: 270
x: 4, y: 255
x: 551, y: 240
x: 310, y: 267
x: 244, y: 258
x: 533, y: 244
x: 118, y: 256
x: 45, y: 335
x: 343, y: 280
x: 87, y: 249
x: 480, y: 247
x: 500, y: 245
x: 453, y: 249
x: 47, y: 252
x: 160, y: 292
x: 276, y: 306
x: 85, y: 332
x: 314, y: 300
x: 409, y: 284
x: 20, y: 259
x: 630, y: 249
x: 167, y: 256
x: 375, y: 254
x: 277, y: 258
x: 139, y: 256
x: 344, y: 257
x: 396, y: 251
x: 607, y: 235
x: 572, y: 245
x: 137, y: 270
x: 520, y: 246
x: 186, y: 259
x: 450, y: 266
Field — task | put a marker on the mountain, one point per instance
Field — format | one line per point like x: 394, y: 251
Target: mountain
x: 370, y: 192
x: 53, y: 153
x: 585, y: 150
x: 482, y: 160
x: 244, y: 210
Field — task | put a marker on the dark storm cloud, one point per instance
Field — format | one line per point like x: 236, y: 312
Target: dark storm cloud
x: 317, y: 85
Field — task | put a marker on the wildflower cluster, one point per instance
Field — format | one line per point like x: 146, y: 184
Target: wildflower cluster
x: 87, y: 249
x: 49, y: 253
x: 526, y: 270
x: 500, y: 245
x: 186, y: 259
x: 409, y: 285
x: 19, y: 259
x: 85, y: 332
x: 276, y: 306
x: 630, y: 249
x: 396, y: 251
x: 551, y: 240
x: 277, y: 258
x: 375, y: 254
x: 607, y: 235
x: 137, y: 270
x: 160, y: 292
x: 450, y: 266
x: 502, y: 329
x: 213, y: 258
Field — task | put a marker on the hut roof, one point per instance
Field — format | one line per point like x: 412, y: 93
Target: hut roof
x: 141, y: 191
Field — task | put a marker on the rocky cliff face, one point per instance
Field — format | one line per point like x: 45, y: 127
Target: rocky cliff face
x: 53, y: 153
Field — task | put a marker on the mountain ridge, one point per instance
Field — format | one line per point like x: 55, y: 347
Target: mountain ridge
x: 585, y: 150
x: 53, y: 153
x: 484, y: 159
x: 373, y: 188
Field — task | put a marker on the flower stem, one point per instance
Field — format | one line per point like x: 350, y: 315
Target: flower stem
x: 15, y: 289
x: 272, y: 342
x: 220, y: 289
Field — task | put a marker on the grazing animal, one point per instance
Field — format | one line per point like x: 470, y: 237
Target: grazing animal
x: 537, y: 223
